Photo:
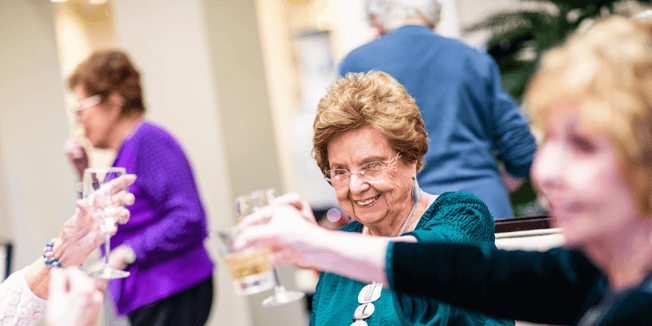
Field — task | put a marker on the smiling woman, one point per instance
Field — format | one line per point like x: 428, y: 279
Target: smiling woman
x: 592, y: 97
x: 378, y: 203
x: 369, y: 140
x: 366, y: 119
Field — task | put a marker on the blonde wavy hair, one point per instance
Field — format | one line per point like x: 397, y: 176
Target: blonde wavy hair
x: 607, y: 70
x: 375, y: 99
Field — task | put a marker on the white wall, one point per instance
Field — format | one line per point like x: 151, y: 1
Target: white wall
x: 36, y: 182
x: 167, y: 41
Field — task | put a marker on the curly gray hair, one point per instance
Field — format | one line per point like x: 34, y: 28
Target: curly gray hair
x: 392, y: 14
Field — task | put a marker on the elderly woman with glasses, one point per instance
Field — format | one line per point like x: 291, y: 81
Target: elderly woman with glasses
x: 369, y: 139
x: 592, y: 100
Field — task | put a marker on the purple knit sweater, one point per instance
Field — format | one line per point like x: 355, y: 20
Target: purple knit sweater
x: 167, y: 226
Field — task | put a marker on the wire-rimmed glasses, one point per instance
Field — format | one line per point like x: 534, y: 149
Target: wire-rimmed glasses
x: 370, y: 172
x: 78, y: 106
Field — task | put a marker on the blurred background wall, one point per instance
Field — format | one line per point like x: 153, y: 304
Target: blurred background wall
x: 235, y: 80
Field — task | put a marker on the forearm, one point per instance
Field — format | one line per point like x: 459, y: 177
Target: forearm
x: 350, y: 255
x: 37, y: 277
x: 511, y: 182
x: 509, y: 284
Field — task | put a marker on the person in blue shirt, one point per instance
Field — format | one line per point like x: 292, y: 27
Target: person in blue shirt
x: 469, y: 118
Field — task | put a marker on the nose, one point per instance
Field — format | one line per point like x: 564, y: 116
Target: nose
x: 357, y: 184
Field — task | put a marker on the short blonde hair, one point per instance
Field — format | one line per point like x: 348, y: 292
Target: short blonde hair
x: 375, y: 99
x: 608, y: 71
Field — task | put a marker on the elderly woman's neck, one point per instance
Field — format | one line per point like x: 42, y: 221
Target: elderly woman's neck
x: 625, y: 255
x: 123, y: 129
x: 394, y: 230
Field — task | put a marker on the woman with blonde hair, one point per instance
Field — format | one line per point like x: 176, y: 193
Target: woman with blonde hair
x: 592, y: 99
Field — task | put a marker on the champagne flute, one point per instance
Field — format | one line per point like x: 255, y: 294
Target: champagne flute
x: 246, y: 205
x: 96, y: 188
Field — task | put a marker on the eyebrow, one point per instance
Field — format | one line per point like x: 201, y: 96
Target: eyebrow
x: 373, y: 158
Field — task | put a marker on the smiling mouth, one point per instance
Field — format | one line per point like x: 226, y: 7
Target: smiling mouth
x: 367, y: 202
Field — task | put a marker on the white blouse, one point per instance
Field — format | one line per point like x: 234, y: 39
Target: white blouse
x: 18, y: 305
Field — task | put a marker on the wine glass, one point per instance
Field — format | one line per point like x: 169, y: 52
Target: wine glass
x: 97, y: 190
x: 251, y: 269
x: 246, y: 205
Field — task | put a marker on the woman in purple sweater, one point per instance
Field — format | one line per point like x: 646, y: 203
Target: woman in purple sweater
x: 161, y: 246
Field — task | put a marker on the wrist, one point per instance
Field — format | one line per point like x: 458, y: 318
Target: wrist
x: 63, y: 252
x: 37, y: 277
x: 351, y: 255
x: 314, y: 247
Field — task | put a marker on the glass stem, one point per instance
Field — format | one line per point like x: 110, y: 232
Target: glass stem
x: 278, y: 288
x: 106, y: 249
x: 276, y: 278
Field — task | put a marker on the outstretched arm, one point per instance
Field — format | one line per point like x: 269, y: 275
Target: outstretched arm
x: 23, y: 294
x: 553, y: 287
x: 507, y: 284
x: 80, y: 236
x: 295, y: 240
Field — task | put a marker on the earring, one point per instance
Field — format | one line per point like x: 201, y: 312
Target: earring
x: 416, y: 191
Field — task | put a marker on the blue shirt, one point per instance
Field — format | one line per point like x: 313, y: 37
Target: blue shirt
x: 468, y: 116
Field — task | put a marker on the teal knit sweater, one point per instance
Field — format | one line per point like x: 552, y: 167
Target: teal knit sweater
x: 454, y: 216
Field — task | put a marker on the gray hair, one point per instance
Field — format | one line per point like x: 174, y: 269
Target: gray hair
x: 392, y: 14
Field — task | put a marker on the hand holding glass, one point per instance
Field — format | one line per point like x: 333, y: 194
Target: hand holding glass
x: 98, y: 190
x: 251, y: 270
x: 246, y: 205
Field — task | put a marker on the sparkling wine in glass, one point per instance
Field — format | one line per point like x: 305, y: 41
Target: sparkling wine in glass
x: 246, y: 205
x: 251, y: 269
x: 98, y: 189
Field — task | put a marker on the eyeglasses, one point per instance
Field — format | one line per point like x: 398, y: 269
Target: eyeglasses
x: 78, y: 107
x: 370, y: 172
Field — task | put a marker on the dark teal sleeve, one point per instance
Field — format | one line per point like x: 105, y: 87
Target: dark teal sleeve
x: 426, y: 311
x: 553, y: 287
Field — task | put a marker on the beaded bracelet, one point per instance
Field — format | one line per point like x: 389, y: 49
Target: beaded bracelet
x: 48, y: 255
